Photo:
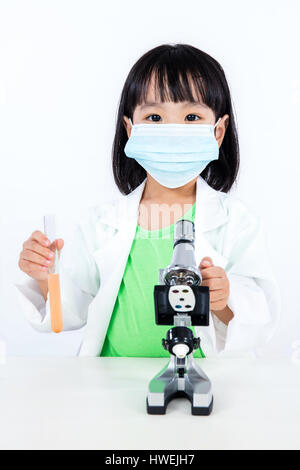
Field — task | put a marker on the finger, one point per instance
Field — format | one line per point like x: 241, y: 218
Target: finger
x: 213, y: 272
x: 30, y: 267
x: 29, y: 255
x: 217, y: 295
x: 40, y: 237
x: 213, y: 283
x: 35, y: 246
x: 206, y: 262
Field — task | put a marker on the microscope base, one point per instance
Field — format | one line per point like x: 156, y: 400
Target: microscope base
x: 194, y: 385
x: 196, y: 410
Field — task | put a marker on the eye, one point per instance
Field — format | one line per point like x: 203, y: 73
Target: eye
x: 155, y: 115
x: 192, y: 117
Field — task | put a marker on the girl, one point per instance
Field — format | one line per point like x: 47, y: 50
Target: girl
x: 175, y: 155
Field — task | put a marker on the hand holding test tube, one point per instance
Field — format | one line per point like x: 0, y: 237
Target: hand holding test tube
x: 53, y: 277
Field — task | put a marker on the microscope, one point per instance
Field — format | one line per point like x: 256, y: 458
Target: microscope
x: 181, y: 301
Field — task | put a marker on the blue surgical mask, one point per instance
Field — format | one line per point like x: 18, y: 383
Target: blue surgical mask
x: 173, y: 154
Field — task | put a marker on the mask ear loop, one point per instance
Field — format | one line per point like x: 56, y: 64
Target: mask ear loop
x: 130, y: 122
x: 216, y: 126
x: 217, y: 122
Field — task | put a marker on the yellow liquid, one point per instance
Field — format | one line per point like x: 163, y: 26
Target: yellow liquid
x: 55, y: 303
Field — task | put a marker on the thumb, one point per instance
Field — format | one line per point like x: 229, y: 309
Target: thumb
x: 206, y: 262
x: 59, y: 243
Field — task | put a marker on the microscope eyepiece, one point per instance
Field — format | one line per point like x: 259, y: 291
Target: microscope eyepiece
x: 183, y: 268
x: 184, y: 231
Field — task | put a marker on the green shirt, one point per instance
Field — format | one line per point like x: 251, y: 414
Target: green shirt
x: 132, y: 330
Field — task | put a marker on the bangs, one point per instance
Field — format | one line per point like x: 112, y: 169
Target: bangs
x: 178, y: 75
x: 172, y: 86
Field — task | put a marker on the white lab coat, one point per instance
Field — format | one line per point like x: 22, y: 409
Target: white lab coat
x: 225, y: 229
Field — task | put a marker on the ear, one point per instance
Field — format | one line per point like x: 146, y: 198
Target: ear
x: 127, y: 125
x: 221, y: 129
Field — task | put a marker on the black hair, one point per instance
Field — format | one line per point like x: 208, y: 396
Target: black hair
x: 172, y: 66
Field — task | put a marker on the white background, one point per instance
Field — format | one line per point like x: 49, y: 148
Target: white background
x: 62, y: 68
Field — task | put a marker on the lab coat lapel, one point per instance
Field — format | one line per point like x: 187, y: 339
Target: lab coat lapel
x: 209, y: 215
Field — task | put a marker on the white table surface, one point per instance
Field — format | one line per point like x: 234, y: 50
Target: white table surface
x: 99, y: 403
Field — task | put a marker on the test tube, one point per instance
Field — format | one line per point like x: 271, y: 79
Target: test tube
x: 53, y: 277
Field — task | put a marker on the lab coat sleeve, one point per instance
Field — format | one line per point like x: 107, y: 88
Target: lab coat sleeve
x: 254, y: 293
x: 79, y: 283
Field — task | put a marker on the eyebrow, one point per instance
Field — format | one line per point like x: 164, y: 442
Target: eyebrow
x: 191, y: 103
